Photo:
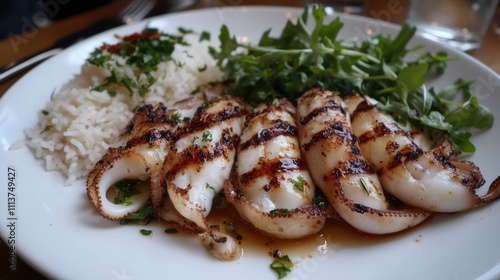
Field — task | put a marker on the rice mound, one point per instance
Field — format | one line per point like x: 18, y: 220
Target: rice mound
x: 78, y: 124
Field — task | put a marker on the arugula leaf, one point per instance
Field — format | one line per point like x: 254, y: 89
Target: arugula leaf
x: 300, y: 58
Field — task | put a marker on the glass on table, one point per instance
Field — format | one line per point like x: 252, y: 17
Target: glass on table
x: 461, y: 24
x: 342, y: 6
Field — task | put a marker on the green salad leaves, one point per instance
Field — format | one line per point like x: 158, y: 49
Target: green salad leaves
x: 300, y: 58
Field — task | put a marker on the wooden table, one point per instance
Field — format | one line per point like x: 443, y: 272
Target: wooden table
x: 35, y: 40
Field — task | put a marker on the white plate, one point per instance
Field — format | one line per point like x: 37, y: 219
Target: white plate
x: 59, y: 232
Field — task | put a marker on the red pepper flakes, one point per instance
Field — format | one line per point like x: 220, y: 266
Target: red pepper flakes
x: 131, y: 39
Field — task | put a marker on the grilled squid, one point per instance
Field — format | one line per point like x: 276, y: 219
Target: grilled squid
x: 340, y: 170
x: 273, y: 189
x: 201, y: 160
x: 430, y: 179
x: 141, y: 158
x: 181, y: 111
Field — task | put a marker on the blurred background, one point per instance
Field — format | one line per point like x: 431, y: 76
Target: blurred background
x: 18, y: 14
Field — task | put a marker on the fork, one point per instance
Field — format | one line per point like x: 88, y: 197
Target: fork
x: 133, y: 12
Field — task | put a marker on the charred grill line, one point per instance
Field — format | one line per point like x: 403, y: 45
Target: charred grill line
x: 334, y: 129
x: 278, y: 165
x: 399, y: 154
x: 196, y: 156
x: 203, y: 120
x: 280, y: 128
x: 356, y: 166
x: 352, y: 166
x: 150, y: 137
x: 333, y: 106
x: 150, y: 123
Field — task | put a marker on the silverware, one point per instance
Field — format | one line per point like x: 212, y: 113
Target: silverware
x: 135, y: 11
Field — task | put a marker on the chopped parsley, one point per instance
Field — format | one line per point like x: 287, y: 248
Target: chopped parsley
x: 144, y: 215
x: 46, y: 128
x: 171, y: 231
x: 196, y: 90
x: 201, y: 69
x: 218, y: 195
x: 126, y: 189
x: 299, y: 183
x: 208, y: 186
x: 143, y: 52
x: 282, y: 266
x: 365, y: 187
x: 146, y: 232
x: 232, y: 230
x: 176, y: 117
x: 320, y: 201
x: 206, y: 136
x: 206, y: 103
x: 193, y: 142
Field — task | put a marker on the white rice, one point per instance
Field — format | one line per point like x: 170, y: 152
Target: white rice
x: 82, y: 124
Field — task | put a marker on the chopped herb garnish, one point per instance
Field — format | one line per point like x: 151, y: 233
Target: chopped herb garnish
x: 381, y: 67
x: 231, y: 230
x: 210, y: 246
x: 126, y: 189
x: 193, y: 142
x: 365, y: 187
x: 144, y: 215
x: 176, y: 117
x: 143, y: 52
x: 201, y: 69
x: 320, y: 201
x: 45, y: 112
x: 146, y: 232
x: 208, y: 186
x: 171, y: 231
x: 205, y: 36
x: 206, y: 136
x: 184, y: 30
x: 282, y: 266
x: 206, y: 103
x: 299, y: 183
x: 47, y: 128
x: 196, y: 90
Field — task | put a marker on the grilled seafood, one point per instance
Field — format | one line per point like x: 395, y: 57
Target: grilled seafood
x: 340, y: 170
x: 273, y: 189
x: 430, y: 180
x: 201, y: 159
x: 141, y: 158
x: 347, y: 147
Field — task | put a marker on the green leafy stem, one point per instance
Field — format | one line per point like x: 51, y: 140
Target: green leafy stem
x: 301, y: 58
